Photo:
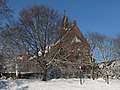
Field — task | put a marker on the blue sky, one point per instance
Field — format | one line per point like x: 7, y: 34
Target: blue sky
x: 102, y: 16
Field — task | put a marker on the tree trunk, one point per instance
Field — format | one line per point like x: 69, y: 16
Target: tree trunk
x: 93, y: 71
x: 44, y: 75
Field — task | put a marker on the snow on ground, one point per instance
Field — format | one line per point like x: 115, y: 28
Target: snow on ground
x: 60, y: 84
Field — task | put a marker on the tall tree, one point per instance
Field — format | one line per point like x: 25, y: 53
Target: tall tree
x: 91, y: 38
x: 5, y: 14
x: 39, y: 27
x: 102, y: 47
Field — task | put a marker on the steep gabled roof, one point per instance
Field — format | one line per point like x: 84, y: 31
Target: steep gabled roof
x: 73, y: 45
x: 72, y: 33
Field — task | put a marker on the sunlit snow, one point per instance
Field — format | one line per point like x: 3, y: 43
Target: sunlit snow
x: 61, y: 84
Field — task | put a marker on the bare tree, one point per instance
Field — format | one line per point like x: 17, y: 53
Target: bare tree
x: 102, y: 47
x: 92, y: 40
x: 105, y: 46
x: 5, y: 14
x: 39, y: 28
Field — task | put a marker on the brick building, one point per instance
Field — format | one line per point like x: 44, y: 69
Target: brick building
x: 72, y: 50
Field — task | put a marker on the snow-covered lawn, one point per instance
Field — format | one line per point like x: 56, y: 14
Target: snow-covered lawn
x: 60, y: 84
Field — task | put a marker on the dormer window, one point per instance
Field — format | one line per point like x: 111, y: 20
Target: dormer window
x: 76, y: 40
